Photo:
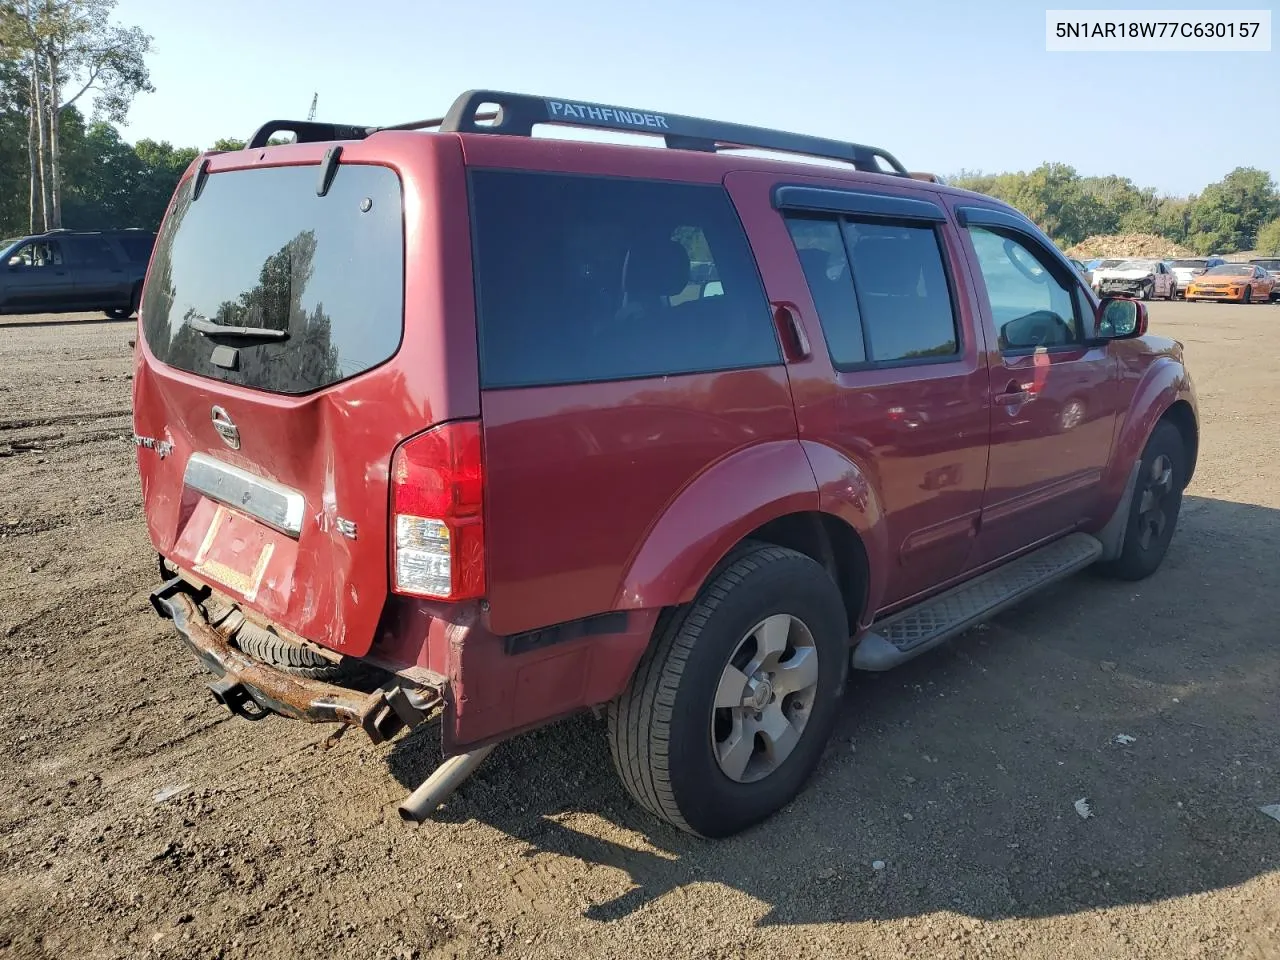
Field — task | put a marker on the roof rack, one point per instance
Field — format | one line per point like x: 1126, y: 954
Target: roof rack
x: 517, y: 114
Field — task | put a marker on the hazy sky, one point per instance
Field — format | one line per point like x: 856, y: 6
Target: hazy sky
x: 943, y: 85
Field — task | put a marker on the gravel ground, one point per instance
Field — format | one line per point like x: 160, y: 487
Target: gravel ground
x: 958, y: 773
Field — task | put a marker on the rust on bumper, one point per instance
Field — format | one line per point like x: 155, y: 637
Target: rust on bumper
x: 250, y: 688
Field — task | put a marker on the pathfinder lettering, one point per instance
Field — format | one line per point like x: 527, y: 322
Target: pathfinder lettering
x: 585, y: 111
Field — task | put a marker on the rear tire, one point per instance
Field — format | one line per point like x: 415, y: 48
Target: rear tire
x: 677, y: 742
x: 1153, y: 513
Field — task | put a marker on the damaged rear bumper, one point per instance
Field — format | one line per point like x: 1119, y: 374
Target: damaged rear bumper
x: 250, y: 688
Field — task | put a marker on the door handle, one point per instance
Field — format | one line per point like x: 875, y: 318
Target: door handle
x: 1014, y: 392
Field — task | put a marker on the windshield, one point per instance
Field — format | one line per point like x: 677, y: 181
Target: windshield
x: 1231, y: 270
x: 1194, y: 264
x: 1109, y: 264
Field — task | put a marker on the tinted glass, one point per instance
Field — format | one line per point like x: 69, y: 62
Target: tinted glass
x: 1189, y: 263
x: 902, y: 291
x: 1030, y: 306
x: 138, y: 249
x: 91, y: 252
x: 584, y: 279
x: 260, y: 249
x: 820, y: 247
x: 1268, y: 264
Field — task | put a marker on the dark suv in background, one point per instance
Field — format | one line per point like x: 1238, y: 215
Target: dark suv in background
x: 71, y: 270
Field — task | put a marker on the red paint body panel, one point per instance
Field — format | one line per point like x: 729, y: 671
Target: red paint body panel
x: 573, y: 489
x: 624, y: 496
x: 918, y: 434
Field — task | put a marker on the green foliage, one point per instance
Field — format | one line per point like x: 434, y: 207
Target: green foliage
x: 1227, y: 216
x: 1268, y: 243
x: 1224, y: 218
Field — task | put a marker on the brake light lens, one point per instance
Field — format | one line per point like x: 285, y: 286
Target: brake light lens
x: 437, y: 505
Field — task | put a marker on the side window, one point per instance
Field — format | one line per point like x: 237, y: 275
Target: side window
x: 93, y: 252
x: 137, y: 249
x: 582, y: 279
x: 820, y: 246
x: 39, y: 253
x: 1030, y: 305
x: 880, y: 289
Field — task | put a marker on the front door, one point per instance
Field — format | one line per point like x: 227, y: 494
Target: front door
x: 36, y: 279
x: 1054, y: 393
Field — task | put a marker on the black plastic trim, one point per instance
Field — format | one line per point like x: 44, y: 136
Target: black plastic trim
x: 200, y: 179
x: 598, y: 625
x: 518, y: 114
x: 328, y: 169
x: 306, y: 131
x: 826, y: 200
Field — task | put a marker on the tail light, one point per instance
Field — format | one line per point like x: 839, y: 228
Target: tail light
x: 437, y: 500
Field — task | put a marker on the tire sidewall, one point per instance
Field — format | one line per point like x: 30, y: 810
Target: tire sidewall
x: 1166, y: 440
x: 711, y: 803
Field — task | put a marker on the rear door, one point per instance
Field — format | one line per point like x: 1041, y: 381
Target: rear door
x: 898, y: 379
x: 614, y: 371
x: 1055, y: 389
x: 265, y: 456
x: 99, y: 271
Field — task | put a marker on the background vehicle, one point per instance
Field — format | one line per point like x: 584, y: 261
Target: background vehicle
x: 1243, y: 282
x: 1186, y: 269
x: 68, y: 270
x: 1144, y: 279
x: 1272, y: 266
x: 504, y: 454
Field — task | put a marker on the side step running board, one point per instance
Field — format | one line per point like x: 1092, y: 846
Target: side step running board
x: 909, y: 633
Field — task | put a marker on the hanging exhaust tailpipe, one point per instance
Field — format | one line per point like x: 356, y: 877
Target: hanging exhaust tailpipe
x: 438, y: 787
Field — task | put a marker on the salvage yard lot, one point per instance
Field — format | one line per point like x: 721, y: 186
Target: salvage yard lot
x: 959, y: 772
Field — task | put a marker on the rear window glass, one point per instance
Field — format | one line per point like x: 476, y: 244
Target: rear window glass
x: 584, y: 279
x: 260, y: 250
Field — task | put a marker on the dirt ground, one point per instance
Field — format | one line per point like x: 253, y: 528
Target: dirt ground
x: 959, y: 772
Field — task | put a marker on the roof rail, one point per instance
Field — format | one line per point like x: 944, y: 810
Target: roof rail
x: 518, y: 114
x: 306, y: 131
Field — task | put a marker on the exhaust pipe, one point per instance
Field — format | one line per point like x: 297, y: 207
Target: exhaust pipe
x: 438, y: 787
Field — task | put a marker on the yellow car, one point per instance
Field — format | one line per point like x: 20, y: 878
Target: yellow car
x: 1242, y: 282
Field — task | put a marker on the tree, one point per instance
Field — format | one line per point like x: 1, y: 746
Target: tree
x: 69, y: 48
x: 1226, y: 217
x: 1268, y: 243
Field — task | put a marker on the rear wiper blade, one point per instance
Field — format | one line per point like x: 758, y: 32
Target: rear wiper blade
x: 210, y: 329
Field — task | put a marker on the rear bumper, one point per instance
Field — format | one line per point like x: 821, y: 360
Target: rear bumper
x: 250, y: 688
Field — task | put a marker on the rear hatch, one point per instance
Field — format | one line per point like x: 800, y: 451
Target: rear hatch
x: 281, y: 362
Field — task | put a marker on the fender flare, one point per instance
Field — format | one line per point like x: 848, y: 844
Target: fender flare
x: 1165, y: 383
x: 736, y: 495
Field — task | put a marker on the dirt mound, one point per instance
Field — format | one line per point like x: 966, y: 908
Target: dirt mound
x: 1128, y: 245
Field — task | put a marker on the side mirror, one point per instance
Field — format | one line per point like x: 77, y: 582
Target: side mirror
x: 1119, y: 318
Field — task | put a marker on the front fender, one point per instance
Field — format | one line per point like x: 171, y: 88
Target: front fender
x: 712, y: 513
x: 1163, y: 384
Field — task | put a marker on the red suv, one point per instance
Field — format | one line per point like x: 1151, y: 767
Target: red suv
x: 483, y: 428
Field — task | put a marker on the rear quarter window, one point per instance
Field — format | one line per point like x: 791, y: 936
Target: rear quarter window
x: 586, y: 279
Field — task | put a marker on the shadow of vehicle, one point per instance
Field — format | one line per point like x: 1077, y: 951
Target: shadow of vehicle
x: 961, y: 770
